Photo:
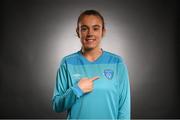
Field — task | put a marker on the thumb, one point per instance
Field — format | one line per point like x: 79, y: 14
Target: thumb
x: 94, y: 78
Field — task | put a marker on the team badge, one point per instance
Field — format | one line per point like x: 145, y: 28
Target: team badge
x: 108, y: 73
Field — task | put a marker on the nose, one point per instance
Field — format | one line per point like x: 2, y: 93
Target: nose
x: 90, y: 32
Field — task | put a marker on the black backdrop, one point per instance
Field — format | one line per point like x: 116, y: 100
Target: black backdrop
x: 27, y: 66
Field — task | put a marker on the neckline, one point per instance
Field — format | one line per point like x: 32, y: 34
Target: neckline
x: 91, y: 62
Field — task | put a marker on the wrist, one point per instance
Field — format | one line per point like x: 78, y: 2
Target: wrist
x: 77, y: 90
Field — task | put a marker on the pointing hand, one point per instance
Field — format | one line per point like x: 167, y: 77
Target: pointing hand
x: 86, y: 84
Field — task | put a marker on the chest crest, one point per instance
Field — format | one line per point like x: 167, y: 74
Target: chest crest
x: 108, y: 73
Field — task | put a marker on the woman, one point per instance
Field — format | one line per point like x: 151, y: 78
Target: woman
x: 92, y: 83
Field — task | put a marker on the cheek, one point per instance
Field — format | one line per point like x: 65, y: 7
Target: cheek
x: 83, y: 35
x: 99, y: 35
x: 82, y: 38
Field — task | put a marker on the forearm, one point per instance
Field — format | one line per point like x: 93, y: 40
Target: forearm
x: 63, y: 102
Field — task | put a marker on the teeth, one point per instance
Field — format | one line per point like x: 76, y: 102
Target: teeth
x: 90, y: 39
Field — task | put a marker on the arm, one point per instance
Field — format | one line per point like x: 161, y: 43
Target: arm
x: 64, y: 97
x: 124, y: 109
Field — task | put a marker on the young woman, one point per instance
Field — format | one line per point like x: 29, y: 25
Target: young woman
x: 92, y: 83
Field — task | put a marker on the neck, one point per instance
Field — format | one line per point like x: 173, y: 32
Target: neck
x: 92, y: 54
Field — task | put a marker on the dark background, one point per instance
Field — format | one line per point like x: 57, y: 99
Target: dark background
x: 29, y: 53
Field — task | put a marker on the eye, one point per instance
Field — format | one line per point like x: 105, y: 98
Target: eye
x: 83, y: 29
x: 96, y: 28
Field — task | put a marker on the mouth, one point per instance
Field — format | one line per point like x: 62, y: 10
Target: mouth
x: 90, y: 40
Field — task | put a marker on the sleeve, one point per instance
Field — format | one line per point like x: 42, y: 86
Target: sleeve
x: 124, y: 109
x: 64, y: 96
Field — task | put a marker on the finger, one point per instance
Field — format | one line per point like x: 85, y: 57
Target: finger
x: 94, y: 78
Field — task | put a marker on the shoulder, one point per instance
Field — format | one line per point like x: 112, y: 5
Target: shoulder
x: 71, y: 58
x: 115, y: 58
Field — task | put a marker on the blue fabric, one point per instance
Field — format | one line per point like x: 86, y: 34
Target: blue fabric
x: 110, y: 98
x: 77, y: 91
x: 106, y: 58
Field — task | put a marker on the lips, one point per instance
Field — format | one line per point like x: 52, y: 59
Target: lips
x: 90, y: 39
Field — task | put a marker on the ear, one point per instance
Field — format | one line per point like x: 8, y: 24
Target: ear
x: 77, y: 31
x: 103, y: 32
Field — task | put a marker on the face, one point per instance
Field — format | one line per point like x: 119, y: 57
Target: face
x: 90, y: 32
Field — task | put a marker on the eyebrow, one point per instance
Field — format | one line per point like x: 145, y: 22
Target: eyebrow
x: 93, y: 26
x: 96, y: 26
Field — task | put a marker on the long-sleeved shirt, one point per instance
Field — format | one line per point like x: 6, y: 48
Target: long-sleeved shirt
x: 110, y: 98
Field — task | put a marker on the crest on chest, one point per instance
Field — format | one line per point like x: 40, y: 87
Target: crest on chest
x: 108, y: 73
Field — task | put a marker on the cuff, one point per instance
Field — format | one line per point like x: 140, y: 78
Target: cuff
x: 77, y: 90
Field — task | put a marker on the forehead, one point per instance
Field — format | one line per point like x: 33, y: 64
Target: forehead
x: 90, y: 20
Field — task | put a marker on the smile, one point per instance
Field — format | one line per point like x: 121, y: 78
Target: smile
x: 90, y: 40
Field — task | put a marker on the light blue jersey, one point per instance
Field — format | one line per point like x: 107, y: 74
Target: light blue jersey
x: 110, y: 98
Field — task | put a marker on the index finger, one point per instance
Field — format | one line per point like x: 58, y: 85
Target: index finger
x: 94, y: 78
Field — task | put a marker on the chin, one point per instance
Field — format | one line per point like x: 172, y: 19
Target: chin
x: 88, y: 48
